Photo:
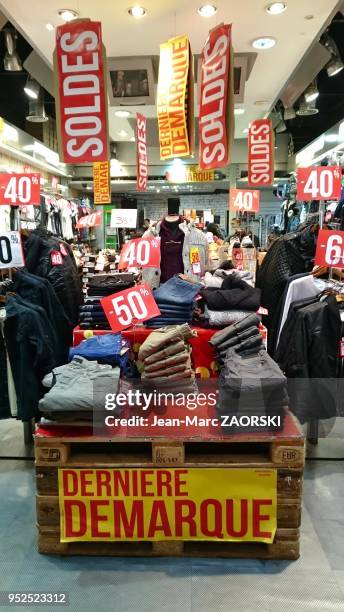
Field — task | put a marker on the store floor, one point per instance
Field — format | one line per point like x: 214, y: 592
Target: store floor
x: 315, y: 582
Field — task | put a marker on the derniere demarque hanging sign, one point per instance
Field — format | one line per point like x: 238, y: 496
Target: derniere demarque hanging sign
x: 261, y: 153
x: 81, y: 94
x: 216, y: 113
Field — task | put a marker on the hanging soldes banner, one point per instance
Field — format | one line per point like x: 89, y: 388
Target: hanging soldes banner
x: 101, y: 183
x: 320, y: 183
x: 261, y: 153
x: 11, y: 250
x: 20, y: 189
x: 93, y: 220
x: 216, y: 112
x: 244, y: 200
x: 141, y: 152
x: 175, y: 99
x: 330, y: 249
x: 80, y: 92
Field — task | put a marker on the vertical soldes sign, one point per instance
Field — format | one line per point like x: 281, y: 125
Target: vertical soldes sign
x: 216, y: 114
x: 81, y: 97
x: 261, y: 153
x: 141, y: 152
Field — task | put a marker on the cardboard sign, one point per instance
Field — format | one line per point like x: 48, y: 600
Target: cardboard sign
x: 124, y: 217
x: 330, y: 249
x: 261, y: 153
x: 135, y: 504
x: 130, y: 307
x: 175, y: 104
x: 80, y: 92
x: 216, y: 113
x: 141, y: 253
x: 93, y: 220
x: 101, y: 183
x: 20, y: 189
x: 244, y: 200
x: 141, y: 152
x: 320, y: 183
x: 11, y: 250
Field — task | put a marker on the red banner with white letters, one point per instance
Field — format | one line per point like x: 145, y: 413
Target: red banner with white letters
x: 216, y: 112
x: 20, y: 189
x: 319, y: 183
x: 93, y: 220
x: 141, y: 152
x: 261, y: 153
x: 330, y: 249
x: 81, y: 95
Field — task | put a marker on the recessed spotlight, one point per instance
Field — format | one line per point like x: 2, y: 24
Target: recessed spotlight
x: 263, y: 43
x: 68, y: 14
x: 158, y: 190
x: 245, y: 131
x: 309, y: 17
x: 122, y: 113
x: 137, y: 11
x: 122, y: 133
x: 239, y: 111
x: 207, y: 10
x: 49, y: 27
x: 276, y: 8
x: 132, y: 139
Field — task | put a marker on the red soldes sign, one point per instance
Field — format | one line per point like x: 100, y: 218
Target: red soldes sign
x: 92, y: 220
x: 244, y: 200
x: 20, y: 189
x: 141, y: 152
x: 140, y: 253
x: 320, y: 183
x: 216, y: 113
x: 81, y: 95
x: 261, y: 153
x: 130, y: 307
x: 330, y: 249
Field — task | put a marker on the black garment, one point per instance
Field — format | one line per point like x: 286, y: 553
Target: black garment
x: 235, y: 293
x: 64, y: 278
x: 172, y: 242
x: 5, y: 410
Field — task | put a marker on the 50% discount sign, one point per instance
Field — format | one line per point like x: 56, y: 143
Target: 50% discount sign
x: 129, y: 307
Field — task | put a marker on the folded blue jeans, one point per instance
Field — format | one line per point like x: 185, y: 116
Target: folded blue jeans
x: 177, y: 291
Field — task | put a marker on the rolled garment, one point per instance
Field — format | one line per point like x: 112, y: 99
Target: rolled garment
x: 182, y: 357
x: 177, y: 291
x: 165, y: 379
x: 164, y: 336
x: 250, y: 332
x: 232, y: 330
x: 162, y: 321
x: 249, y: 344
x: 179, y: 367
x: 226, y: 317
x: 172, y: 349
x: 247, y: 298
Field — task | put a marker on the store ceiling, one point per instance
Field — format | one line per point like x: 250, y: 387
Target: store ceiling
x: 294, y: 30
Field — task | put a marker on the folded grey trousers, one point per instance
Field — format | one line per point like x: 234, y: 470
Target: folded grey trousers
x: 233, y: 330
x: 164, y: 364
x: 250, y: 332
x: 164, y: 336
x: 167, y: 351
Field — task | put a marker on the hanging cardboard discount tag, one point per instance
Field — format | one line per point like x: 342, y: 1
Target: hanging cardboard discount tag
x: 261, y: 153
x: 140, y: 253
x: 321, y: 183
x: 141, y: 152
x: 93, y: 220
x: 11, y: 250
x: 216, y: 112
x: 244, y: 200
x: 129, y: 307
x: 20, y: 189
x: 330, y: 249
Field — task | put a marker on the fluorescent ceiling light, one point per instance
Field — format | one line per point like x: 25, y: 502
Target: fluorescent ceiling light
x: 68, y: 14
x: 31, y: 88
x: 49, y: 27
x: 137, y: 12
x: 263, y: 43
x: 122, y: 133
x: 207, y: 10
x: 276, y: 8
x: 122, y: 113
x: 239, y: 111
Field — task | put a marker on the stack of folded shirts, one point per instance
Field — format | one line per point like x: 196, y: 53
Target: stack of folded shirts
x: 165, y: 355
x: 244, y: 337
x: 232, y: 302
x: 175, y: 300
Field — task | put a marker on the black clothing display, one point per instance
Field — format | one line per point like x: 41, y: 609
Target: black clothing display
x: 235, y: 293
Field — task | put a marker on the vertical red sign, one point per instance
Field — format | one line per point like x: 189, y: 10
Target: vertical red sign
x: 81, y: 95
x: 141, y: 152
x: 261, y: 153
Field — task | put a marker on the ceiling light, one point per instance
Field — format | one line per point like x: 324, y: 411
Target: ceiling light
x: 307, y: 109
x: 276, y: 8
x: 334, y: 66
x: 261, y: 102
x: 68, y: 14
x: 207, y: 10
x: 49, y: 27
x: 12, y: 61
x: 122, y: 133
x: 312, y: 92
x: 32, y: 88
x: 239, y: 111
x: 245, y: 131
x: 122, y: 113
x: 289, y: 113
x: 137, y: 12
x: 37, y: 112
x: 132, y: 139
x: 266, y: 42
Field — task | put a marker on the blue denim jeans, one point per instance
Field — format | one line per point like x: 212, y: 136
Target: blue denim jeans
x: 177, y: 291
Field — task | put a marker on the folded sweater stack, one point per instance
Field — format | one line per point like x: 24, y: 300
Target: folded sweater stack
x: 231, y: 302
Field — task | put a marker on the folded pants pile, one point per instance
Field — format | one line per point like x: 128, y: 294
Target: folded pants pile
x: 244, y: 337
x: 175, y: 300
x: 92, y: 315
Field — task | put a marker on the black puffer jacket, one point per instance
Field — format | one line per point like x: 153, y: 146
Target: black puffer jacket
x: 64, y: 278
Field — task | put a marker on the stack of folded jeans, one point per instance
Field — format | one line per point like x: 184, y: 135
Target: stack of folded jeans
x: 165, y: 355
x: 92, y: 315
x: 109, y: 349
x: 244, y: 337
x: 175, y: 300
x: 102, y: 285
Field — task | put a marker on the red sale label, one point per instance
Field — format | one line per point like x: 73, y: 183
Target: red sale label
x: 321, y: 183
x: 92, y: 220
x: 20, y: 189
x: 81, y: 92
x: 130, y: 307
x: 56, y: 258
x: 238, y: 258
x: 261, y: 149
x: 63, y: 250
x: 243, y: 200
x: 140, y: 253
x: 141, y: 152
x: 330, y: 249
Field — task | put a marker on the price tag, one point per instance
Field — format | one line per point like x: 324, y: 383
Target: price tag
x: 63, y: 250
x: 56, y: 258
x: 11, y: 250
x: 20, y: 189
x: 244, y: 200
x: 128, y: 307
x: 140, y: 253
x: 238, y: 258
x: 321, y: 183
x: 100, y: 267
x: 330, y: 249
x: 93, y: 220
x: 262, y: 311
x: 341, y: 348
